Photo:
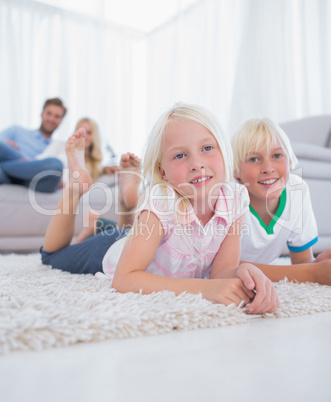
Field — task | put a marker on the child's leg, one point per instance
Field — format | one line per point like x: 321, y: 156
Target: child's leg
x: 89, y: 228
x: 129, y: 182
x: 61, y: 228
x: 85, y: 257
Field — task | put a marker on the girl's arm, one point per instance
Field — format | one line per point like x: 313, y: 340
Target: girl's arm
x: 131, y: 276
x: 226, y: 263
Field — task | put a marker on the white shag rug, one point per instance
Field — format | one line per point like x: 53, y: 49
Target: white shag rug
x: 42, y: 307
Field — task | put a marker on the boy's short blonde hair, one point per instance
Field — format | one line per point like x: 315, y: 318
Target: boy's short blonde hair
x: 255, y: 134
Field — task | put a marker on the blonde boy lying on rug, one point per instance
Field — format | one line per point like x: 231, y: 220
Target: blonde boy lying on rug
x: 187, y: 232
x: 280, y: 212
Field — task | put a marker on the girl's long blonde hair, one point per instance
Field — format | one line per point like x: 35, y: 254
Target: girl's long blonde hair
x: 93, y: 163
x: 152, y: 156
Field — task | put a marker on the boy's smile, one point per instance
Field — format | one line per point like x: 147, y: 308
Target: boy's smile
x: 265, y: 175
x: 191, y: 159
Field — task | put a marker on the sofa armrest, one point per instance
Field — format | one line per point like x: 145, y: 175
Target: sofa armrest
x: 312, y: 152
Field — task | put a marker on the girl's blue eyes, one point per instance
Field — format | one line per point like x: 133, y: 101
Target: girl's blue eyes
x: 207, y: 148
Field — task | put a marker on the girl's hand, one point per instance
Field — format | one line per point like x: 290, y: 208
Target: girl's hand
x: 266, y: 299
x: 227, y: 291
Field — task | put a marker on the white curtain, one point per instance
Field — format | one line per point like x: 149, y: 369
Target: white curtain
x: 244, y: 58
x: 236, y: 57
x: 48, y: 52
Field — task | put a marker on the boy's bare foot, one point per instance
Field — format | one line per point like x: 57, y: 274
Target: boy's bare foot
x: 79, y: 178
x: 129, y: 181
x: 89, y: 228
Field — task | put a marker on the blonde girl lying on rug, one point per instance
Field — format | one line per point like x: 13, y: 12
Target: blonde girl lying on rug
x: 186, y: 236
x: 280, y: 212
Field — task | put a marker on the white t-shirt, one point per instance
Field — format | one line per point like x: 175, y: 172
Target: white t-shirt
x: 293, y: 225
x: 187, y: 249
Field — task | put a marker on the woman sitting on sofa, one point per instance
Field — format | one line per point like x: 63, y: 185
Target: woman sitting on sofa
x: 93, y: 154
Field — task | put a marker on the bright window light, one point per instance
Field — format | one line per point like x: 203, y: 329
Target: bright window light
x: 143, y: 15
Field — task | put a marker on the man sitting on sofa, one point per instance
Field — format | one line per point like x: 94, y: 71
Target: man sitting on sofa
x: 19, y: 148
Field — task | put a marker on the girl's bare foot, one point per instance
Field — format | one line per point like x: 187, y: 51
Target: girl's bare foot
x: 129, y: 182
x: 79, y: 178
x: 89, y: 228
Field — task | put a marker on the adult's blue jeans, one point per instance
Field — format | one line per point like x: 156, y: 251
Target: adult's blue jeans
x: 42, y: 175
x: 85, y: 257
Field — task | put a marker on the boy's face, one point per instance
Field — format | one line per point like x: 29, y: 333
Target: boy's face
x: 265, y: 174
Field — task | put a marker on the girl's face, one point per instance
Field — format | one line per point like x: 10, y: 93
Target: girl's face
x: 88, y: 139
x: 191, y: 159
x: 265, y: 174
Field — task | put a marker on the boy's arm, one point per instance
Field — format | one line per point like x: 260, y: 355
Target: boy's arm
x: 302, y: 257
x: 317, y: 271
x: 298, y: 272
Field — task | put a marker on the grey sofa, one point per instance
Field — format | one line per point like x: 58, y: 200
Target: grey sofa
x: 311, y: 141
x: 24, y: 214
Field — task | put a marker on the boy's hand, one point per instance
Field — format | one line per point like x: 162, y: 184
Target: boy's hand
x: 325, y: 255
x: 265, y: 300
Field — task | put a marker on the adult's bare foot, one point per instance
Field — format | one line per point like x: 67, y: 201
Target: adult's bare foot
x: 79, y: 178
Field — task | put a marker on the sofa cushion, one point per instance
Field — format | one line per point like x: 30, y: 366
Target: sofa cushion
x: 312, y: 130
x: 27, y: 213
x: 312, y: 152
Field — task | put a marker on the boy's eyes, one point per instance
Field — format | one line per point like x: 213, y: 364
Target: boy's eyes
x: 277, y: 156
x: 256, y: 158
x: 179, y: 156
x: 208, y: 148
